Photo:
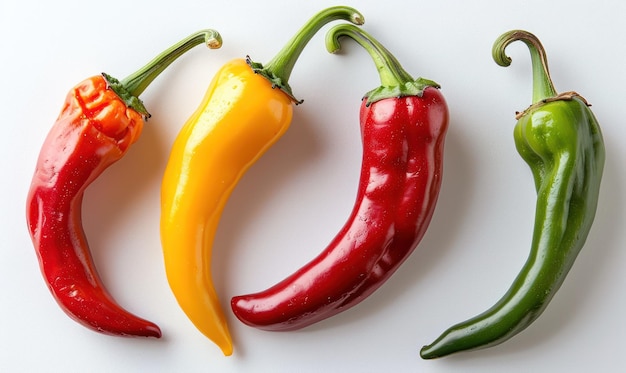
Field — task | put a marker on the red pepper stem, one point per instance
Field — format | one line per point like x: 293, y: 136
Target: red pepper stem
x: 132, y: 86
x: 390, y: 71
x: 543, y: 88
x: 278, y: 70
x: 395, y: 81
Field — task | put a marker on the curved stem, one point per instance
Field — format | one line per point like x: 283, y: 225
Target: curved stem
x: 542, y: 83
x: 390, y: 71
x: 278, y: 70
x: 137, y: 82
x: 395, y: 81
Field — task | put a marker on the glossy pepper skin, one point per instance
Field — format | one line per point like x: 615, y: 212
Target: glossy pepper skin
x: 246, y: 109
x: 403, y: 127
x: 560, y: 139
x: 99, y: 121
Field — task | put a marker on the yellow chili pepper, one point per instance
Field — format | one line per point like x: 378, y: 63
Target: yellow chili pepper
x: 241, y: 116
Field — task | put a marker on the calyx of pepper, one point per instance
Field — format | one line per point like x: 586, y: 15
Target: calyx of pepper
x: 278, y: 70
x: 564, y: 96
x: 277, y: 81
x: 395, y: 81
x: 125, y: 95
x: 411, y: 88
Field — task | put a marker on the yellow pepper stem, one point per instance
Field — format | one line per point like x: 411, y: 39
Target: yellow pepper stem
x: 278, y: 70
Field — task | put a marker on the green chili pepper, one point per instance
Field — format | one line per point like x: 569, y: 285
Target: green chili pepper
x: 559, y: 137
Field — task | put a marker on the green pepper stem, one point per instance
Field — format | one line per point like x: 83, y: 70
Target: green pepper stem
x: 129, y: 89
x: 543, y: 87
x: 137, y: 82
x: 278, y: 70
x: 395, y: 81
x: 389, y: 69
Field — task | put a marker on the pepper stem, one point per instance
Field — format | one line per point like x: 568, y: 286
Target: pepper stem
x: 132, y: 86
x: 278, y: 70
x: 542, y: 83
x: 395, y: 81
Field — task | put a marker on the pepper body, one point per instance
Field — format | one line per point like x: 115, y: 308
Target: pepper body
x: 246, y: 109
x: 100, y: 119
x: 94, y: 130
x: 240, y: 117
x: 399, y: 184
x: 560, y: 139
x: 562, y: 143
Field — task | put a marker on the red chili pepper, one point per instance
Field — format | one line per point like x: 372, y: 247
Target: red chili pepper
x: 403, y: 126
x: 101, y: 118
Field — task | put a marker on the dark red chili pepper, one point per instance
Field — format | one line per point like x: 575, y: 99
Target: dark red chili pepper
x: 101, y: 118
x: 403, y: 126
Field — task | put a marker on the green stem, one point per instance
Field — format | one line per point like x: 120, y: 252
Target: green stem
x: 542, y: 83
x: 279, y: 69
x: 137, y: 82
x: 395, y: 81
x: 132, y: 86
x: 390, y: 71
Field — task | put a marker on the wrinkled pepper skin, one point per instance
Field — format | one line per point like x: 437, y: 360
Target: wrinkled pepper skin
x: 101, y: 118
x: 246, y: 109
x: 401, y: 173
x: 94, y: 130
x: 240, y: 117
x: 560, y: 139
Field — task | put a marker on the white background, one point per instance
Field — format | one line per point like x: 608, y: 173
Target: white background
x: 293, y: 200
